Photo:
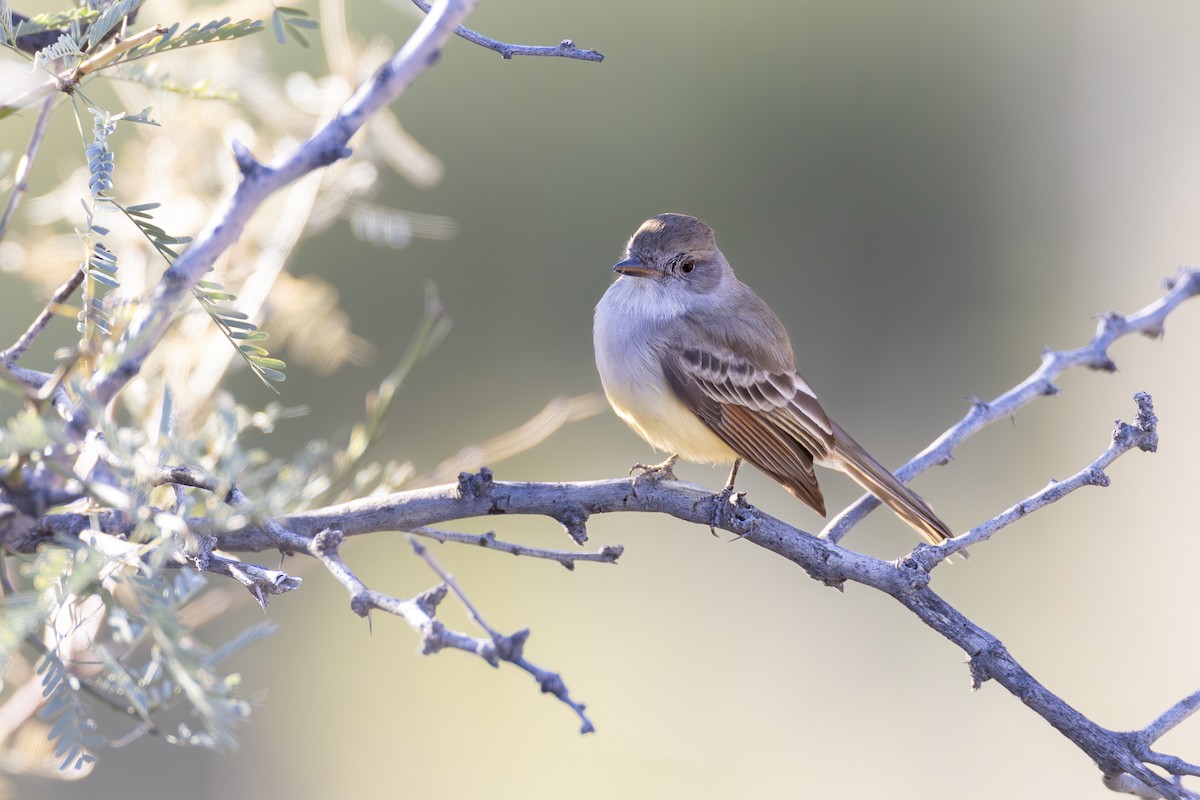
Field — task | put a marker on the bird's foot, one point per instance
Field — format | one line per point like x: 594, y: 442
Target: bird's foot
x: 654, y: 472
x: 720, y: 507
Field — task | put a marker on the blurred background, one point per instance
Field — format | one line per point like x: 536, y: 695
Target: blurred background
x: 927, y: 193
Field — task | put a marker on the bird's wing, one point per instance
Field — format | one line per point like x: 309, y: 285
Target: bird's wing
x: 770, y: 418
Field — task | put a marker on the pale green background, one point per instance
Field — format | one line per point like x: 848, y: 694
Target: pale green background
x: 927, y: 193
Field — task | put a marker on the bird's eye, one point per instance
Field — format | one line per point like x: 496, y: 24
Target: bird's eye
x: 687, y: 265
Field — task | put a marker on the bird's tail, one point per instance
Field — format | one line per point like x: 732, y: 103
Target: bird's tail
x: 879, y: 481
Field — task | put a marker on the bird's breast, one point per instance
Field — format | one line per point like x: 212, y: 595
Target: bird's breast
x: 628, y: 358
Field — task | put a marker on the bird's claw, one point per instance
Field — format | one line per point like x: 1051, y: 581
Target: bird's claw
x: 720, y: 507
x: 653, y: 472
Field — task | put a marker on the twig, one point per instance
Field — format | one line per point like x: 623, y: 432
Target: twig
x: 1094, y: 355
x: 283, y: 539
x: 418, y: 613
x: 14, y: 353
x: 1171, y: 717
x: 508, y: 648
x: 1125, y: 437
x: 25, y: 165
x: 445, y: 577
x: 565, y: 49
x: 115, y: 49
x: 605, y: 555
x: 259, y: 581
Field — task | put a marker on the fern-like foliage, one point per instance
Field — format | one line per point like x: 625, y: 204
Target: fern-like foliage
x: 113, y: 16
x: 99, y: 155
x: 293, y: 21
x: 50, y: 21
x: 67, y: 46
x: 195, y: 34
x: 162, y: 81
x: 99, y: 263
x: 162, y: 241
x: 73, y: 729
x: 243, y: 334
x: 239, y: 330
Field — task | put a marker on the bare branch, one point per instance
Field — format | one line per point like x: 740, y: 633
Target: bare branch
x: 418, y: 613
x: 260, y: 181
x: 508, y: 648
x: 447, y: 579
x: 1125, y: 437
x: 12, y: 354
x: 283, y: 539
x: 259, y: 581
x: 1171, y: 717
x: 907, y: 580
x: 605, y: 555
x: 1094, y: 355
x: 564, y: 49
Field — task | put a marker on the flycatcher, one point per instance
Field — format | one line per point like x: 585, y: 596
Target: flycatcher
x: 700, y: 367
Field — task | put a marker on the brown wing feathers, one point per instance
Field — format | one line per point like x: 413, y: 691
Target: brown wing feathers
x: 754, y: 433
x: 780, y: 432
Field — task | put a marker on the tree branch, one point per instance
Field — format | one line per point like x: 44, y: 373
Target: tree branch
x: 605, y: 555
x: 1171, y: 717
x: 1093, y: 355
x: 419, y: 614
x: 906, y: 580
x: 1125, y: 437
x: 260, y: 181
x: 13, y: 353
x: 565, y: 49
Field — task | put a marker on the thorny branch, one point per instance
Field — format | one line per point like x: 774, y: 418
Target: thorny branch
x: 1125, y: 437
x: 1093, y: 355
x: 605, y: 555
x: 906, y: 580
x: 419, y: 612
x: 508, y: 648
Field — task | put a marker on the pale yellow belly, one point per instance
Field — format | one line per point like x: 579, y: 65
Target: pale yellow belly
x: 668, y: 425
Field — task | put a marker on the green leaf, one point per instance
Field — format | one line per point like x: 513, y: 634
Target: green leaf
x: 300, y: 38
x: 100, y: 277
x: 268, y: 363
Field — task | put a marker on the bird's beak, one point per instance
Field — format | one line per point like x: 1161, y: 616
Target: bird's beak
x: 635, y: 267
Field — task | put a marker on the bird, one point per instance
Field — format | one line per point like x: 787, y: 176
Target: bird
x: 701, y: 367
